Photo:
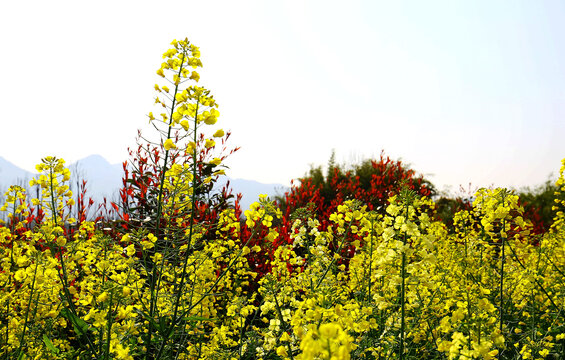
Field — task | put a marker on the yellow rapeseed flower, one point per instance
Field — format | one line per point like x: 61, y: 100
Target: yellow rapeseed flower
x: 219, y: 133
x: 169, y: 144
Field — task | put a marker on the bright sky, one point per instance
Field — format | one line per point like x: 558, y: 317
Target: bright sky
x: 464, y: 92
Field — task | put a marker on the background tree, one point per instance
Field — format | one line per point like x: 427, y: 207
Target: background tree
x: 537, y: 203
x: 371, y: 181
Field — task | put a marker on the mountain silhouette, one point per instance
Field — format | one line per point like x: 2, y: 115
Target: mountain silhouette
x: 10, y: 174
x: 104, y: 180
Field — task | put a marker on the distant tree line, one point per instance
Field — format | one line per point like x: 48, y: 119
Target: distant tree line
x: 373, y: 181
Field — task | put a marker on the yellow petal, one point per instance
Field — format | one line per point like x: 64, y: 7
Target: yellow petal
x: 169, y: 144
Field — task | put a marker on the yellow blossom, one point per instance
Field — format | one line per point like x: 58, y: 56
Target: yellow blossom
x: 216, y: 161
x: 195, y: 76
x: 169, y: 144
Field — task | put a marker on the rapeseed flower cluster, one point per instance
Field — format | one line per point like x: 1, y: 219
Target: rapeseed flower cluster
x: 368, y: 285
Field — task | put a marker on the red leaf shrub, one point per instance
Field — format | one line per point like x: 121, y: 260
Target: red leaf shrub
x: 372, y: 182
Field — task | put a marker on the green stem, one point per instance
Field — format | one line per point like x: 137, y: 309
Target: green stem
x: 241, y: 328
x: 179, y: 291
x: 153, y: 302
x: 22, y: 337
x: 403, y: 309
x: 12, y: 238
x: 101, y: 333
x: 338, y: 251
x: 7, y: 324
x: 109, y: 330
x: 283, y: 325
x: 502, y: 259
x: 371, y: 257
x: 162, y: 180
x: 191, y: 224
x: 403, y: 293
x: 469, y: 345
x: 64, y: 276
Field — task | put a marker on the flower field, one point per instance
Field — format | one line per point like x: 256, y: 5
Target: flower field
x: 175, y: 270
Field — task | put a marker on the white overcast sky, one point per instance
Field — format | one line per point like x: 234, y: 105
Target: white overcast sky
x: 463, y: 91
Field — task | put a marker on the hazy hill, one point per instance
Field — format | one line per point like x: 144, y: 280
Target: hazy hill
x: 105, y: 179
x: 251, y: 190
x: 10, y: 174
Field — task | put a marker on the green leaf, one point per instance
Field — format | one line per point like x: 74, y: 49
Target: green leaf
x: 80, y: 326
x: 49, y: 344
x: 148, y: 318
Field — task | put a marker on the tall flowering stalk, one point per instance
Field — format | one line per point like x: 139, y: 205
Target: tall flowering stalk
x: 188, y: 107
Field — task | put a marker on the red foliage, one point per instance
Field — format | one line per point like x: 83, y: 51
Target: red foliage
x: 141, y: 183
x: 371, y: 182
